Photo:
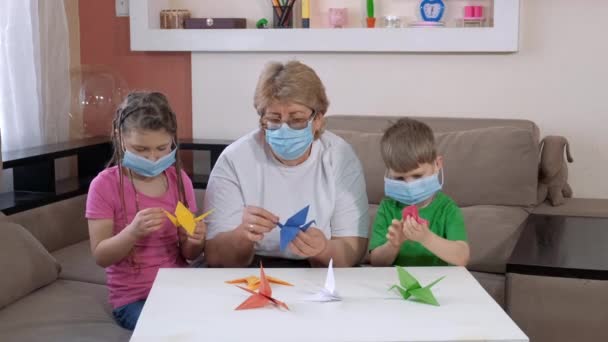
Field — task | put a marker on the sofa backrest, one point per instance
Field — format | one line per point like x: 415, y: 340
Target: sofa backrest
x: 486, y: 161
x: 56, y: 225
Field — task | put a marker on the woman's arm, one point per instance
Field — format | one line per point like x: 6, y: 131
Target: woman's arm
x: 235, y: 247
x: 230, y: 249
x: 346, y: 252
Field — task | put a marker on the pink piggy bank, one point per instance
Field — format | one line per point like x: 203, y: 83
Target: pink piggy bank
x: 338, y: 17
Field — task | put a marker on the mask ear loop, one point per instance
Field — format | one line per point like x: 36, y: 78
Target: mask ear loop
x: 442, y: 177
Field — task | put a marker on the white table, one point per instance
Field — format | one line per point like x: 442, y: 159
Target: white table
x: 196, y: 305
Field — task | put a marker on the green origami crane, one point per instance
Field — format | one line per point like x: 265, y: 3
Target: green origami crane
x: 410, y: 287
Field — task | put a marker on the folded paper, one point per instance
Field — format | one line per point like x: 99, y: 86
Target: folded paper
x: 260, y: 298
x: 293, y: 226
x: 253, y: 282
x: 327, y: 293
x: 412, y: 211
x: 410, y: 287
x: 185, y: 218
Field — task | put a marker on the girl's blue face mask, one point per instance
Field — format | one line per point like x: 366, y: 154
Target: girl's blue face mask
x: 146, y: 167
x: 414, y: 192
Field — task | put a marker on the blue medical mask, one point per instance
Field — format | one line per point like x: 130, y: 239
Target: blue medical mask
x: 413, y: 192
x: 289, y: 143
x: 146, y: 167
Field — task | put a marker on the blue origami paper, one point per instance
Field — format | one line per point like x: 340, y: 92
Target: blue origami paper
x: 293, y: 226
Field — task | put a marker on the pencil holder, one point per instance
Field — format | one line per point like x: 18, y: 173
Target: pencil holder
x: 282, y: 17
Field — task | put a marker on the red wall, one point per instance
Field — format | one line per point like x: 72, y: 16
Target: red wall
x: 104, y: 41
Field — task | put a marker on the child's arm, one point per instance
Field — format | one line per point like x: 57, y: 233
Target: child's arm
x: 386, y: 254
x: 453, y: 252
x: 108, y: 249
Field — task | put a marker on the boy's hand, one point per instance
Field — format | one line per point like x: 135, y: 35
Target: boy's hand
x: 415, y: 231
x: 197, y: 237
x: 395, y: 235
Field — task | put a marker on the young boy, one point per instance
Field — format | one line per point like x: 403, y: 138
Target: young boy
x: 439, y: 238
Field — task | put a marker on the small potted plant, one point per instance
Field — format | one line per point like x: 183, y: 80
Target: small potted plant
x: 371, y: 19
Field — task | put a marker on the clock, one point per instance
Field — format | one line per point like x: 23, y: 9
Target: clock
x: 432, y: 10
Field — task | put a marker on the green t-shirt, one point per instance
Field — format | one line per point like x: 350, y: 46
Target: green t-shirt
x: 445, y: 220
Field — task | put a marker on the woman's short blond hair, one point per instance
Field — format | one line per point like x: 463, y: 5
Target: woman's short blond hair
x: 292, y: 82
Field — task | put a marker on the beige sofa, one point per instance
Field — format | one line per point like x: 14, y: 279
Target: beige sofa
x: 52, y: 290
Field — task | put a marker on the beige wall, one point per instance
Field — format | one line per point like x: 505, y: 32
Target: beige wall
x: 558, y: 79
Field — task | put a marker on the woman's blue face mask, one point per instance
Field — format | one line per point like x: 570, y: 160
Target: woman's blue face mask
x: 290, y: 140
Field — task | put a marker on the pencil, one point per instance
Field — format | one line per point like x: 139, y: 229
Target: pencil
x: 306, y: 13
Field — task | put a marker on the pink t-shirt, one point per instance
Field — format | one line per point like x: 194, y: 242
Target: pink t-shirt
x: 129, y: 282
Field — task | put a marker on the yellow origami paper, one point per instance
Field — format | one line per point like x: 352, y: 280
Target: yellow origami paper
x: 185, y: 218
x: 253, y: 282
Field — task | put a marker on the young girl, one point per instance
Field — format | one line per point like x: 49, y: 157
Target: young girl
x: 130, y: 235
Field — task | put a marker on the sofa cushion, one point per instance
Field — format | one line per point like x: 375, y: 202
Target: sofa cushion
x: 56, y: 225
x: 586, y: 207
x: 493, y: 232
x: 491, y: 166
x: 494, y: 284
x: 63, y: 311
x: 24, y: 263
x: 77, y: 263
x: 367, y: 148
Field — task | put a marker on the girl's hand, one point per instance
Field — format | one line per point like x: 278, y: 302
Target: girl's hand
x: 197, y: 237
x: 146, y: 222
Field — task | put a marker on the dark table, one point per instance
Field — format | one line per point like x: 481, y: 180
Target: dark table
x: 562, y: 246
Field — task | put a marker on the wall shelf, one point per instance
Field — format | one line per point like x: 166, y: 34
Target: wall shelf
x: 147, y: 36
x: 34, y: 170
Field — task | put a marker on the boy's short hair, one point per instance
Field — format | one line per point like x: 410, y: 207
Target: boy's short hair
x: 407, y: 144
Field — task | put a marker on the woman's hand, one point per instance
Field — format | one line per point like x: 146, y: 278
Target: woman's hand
x: 309, y: 243
x: 257, y: 222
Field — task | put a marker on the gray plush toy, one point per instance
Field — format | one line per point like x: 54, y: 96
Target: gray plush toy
x: 553, y: 170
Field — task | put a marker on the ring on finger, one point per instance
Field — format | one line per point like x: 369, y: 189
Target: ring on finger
x: 251, y: 227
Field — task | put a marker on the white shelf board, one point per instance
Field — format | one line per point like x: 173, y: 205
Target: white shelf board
x: 503, y: 37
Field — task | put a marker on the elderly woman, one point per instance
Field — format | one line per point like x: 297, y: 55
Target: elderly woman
x: 268, y: 175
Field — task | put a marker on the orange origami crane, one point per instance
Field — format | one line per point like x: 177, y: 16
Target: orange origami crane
x: 262, y: 297
x: 184, y: 217
x: 253, y: 282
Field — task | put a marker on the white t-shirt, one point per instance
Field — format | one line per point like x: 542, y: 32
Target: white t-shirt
x: 330, y: 181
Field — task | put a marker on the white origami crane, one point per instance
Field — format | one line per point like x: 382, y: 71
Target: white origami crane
x: 328, y: 293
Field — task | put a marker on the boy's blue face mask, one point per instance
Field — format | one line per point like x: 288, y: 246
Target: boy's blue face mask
x: 146, y: 167
x: 414, y: 192
x: 289, y: 143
